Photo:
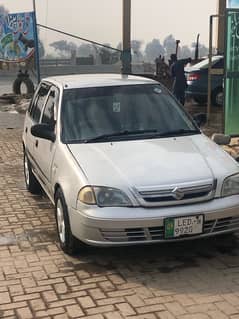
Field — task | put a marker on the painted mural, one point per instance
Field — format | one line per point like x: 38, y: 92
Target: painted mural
x: 16, y: 37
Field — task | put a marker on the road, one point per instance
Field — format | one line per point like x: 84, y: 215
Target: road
x: 6, y: 84
x: 191, y: 280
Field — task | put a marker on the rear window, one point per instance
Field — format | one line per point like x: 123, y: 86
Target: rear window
x: 216, y: 62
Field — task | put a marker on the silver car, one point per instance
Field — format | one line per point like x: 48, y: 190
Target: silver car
x: 124, y: 164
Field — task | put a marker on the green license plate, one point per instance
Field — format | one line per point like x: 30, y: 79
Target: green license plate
x: 183, y: 226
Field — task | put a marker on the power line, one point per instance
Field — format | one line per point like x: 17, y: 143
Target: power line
x: 77, y: 37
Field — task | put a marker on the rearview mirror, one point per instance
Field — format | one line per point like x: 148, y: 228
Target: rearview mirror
x: 200, y: 119
x: 44, y: 131
x: 221, y: 139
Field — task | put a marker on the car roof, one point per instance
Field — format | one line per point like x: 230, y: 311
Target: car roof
x: 97, y: 80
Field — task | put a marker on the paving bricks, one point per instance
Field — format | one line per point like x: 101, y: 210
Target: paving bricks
x: 125, y: 309
x: 165, y: 315
x: 74, y: 311
x: 218, y: 315
x: 86, y: 302
x: 197, y: 280
x: 226, y: 308
x: 4, y: 297
x: 24, y: 313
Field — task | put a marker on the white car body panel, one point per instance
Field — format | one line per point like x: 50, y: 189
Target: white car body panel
x: 132, y: 166
x: 150, y: 163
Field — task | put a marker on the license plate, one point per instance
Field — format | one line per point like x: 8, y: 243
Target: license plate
x: 183, y: 226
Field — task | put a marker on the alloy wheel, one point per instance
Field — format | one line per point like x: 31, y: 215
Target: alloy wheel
x: 60, y: 221
x: 26, y: 171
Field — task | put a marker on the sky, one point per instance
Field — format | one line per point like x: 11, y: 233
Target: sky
x: 101, y: 20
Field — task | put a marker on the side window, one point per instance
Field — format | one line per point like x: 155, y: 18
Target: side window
x: 33, y: 101
x: 39, y: 102
x: 49, y: 113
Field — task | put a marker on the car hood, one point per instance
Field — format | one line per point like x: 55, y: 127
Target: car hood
x: 154, y: 162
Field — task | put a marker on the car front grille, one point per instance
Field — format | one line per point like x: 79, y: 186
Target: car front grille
x: 133, y: 234
x: 157, y: 233
x: 222, y: 224
x: 179, y: 195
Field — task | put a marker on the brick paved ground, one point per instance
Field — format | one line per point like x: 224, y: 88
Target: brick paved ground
x: 194, y: 280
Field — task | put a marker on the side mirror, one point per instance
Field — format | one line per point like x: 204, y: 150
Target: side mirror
x: 221, y: 139
x: 44, y: 131
x: 200, y: 119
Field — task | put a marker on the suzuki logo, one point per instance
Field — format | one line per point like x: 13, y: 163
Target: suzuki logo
x: 177, y: 193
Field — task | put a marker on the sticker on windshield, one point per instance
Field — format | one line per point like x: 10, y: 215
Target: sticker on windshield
x: 116, y: 107
x: 157, y: 90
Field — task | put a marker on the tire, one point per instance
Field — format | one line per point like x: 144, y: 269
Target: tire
x: 32, y: 184
x: 69, y: 244
x: 217, y: 97
x: 18, y: 82
x: 201, y: 100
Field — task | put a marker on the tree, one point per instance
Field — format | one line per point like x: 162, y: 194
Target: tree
x: 169, y: 44
x: 105, y: 54
x: 203, y: 50
x: 185, y: 52
x: 41, y: 49
x: 86, y: 49
x: 153, y: 50
x: 137, y: 55
x: 63, y: 47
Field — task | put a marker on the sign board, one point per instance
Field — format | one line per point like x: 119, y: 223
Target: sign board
x: 232, y: 73
x: 16, y: 37
x: 232, y: 4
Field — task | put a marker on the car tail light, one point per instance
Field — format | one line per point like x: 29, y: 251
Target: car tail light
x: 193, y: 77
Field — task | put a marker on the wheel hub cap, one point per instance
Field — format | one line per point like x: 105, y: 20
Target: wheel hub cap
x: 26, y: 170
x: 60, y: 221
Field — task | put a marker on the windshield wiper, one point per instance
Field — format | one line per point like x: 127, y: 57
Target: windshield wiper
x: 152, y: 133
x: 118, y: 134
x: 179, y: 132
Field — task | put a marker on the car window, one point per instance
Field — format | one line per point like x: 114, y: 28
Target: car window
x: 49, y: 113
x: 90, y: 112
x: 33, y: 101
x: 39, y: 102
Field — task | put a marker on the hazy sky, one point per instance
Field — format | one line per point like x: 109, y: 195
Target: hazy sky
x: 100, y: 20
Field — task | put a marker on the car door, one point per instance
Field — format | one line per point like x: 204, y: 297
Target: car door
x: 44, y: 150
x: 32, y: 118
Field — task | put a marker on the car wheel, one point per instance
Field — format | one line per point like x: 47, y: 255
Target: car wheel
x: 31, y: 182
x: 23, y: 81
x: 200, y: 100
x: 217, y: 97
x: 69, y: 244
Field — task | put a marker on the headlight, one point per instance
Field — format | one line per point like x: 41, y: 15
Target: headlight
x: 87, y: 196
x: 231, y: 186
x: 104, y: 197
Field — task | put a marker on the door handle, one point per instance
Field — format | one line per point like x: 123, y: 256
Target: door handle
x: 36, y: 143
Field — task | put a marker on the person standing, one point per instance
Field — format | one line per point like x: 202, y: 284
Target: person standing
x: 180, y: 82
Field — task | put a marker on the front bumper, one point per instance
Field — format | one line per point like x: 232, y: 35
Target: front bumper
x: 130, y: 226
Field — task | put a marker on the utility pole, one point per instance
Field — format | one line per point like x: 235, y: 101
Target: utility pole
x: 36, y: 55
x: 197, y: 48
x: 126, y: 54
x: 221, y: 26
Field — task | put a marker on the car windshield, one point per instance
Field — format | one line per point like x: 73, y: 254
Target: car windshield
x: 125, y: 112
x: 204, y: 63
